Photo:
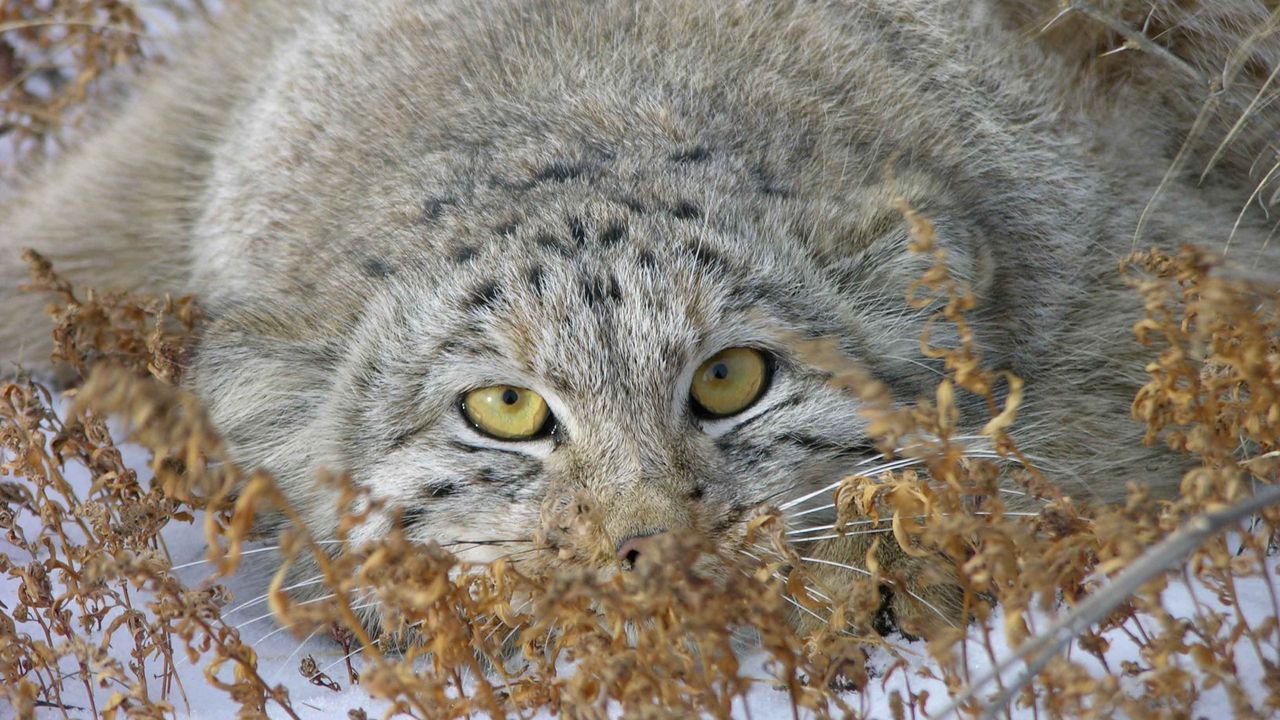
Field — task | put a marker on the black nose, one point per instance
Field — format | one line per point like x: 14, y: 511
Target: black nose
x: 630, y: 550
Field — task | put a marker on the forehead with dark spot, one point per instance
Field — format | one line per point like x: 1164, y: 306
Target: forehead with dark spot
x: 637, y: 298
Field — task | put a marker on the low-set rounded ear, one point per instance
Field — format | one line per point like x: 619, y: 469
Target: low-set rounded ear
x: 1195, y: 72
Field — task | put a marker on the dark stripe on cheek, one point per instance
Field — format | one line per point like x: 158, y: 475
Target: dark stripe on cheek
x: 559, y: 172
x: 817, y: 444
x: 695, y: 155
x: 401, y: 440
x: 742, y: 450
x: 411, y: 517
x: 731, y: 518
x: 530, y: 473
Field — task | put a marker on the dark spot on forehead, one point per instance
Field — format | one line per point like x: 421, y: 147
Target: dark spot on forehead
x: 597, y: 291
x: 646, y: 259
x: 506, y: 229
x: 433, y: 208
x: 463, y: 253
x: 744, y: 297
x: 483, y: 296
x: 707, y: 258
x: 674, y: 352
x: 551, y: 242
x: 765, y: 183
x: 559, y: 172
x: 693, y: 155
x: 632, y: 203
x: 612, y: 233
x: 686, y: 210
x: 377, y: 268
x: 534, y: 277
x: 578, y: 230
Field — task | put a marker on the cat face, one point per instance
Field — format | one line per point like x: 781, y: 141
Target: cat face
x: 615, y: 326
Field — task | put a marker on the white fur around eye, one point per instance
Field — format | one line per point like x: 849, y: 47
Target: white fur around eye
x: 539, y: 448
x: 719, y: 427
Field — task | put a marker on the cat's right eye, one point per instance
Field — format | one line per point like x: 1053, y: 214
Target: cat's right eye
x: 729, y: 382
x: 507, y: 413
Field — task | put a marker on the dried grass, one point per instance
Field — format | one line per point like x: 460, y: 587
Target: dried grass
x: 511, y: 637
x: 59, y: 57
x: 663, y: 637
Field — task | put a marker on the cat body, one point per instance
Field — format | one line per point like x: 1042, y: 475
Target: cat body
x: 387, y: 205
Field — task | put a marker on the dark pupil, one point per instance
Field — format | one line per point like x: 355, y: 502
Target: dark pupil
x: 510, y: 396
x: 720, y: 371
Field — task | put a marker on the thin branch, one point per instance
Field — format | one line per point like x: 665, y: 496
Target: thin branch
x: 1038, y: 652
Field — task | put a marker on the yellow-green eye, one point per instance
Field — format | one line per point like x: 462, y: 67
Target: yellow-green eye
x: 730, y: 381
x: 505, y: 412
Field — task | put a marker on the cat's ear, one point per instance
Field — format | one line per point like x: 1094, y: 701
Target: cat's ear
x: 883, y: 239
x: 1197, y: 70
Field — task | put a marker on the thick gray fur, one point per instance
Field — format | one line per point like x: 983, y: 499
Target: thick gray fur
x: 385, y: 204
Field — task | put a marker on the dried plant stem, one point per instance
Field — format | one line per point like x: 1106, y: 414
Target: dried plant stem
x: 1038, y: 652
x: 1135, y: 39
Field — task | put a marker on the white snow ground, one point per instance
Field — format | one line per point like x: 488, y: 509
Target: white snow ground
x: 279, y: 653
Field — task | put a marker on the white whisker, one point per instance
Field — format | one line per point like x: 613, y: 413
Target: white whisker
x: 877, y: 531
x: 519, y: 609
x: 276, y: 678
x: 886, y: 467
x: 859, y: 523
x: 821, y: 528
x: 304, y: 602
x: 348, y: 656
x: 243, y: 553
x: 263, y: 597
x: 867, y: 573
x: 792, y: 600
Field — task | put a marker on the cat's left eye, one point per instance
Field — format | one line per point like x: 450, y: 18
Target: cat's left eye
x: 506, y: 412
x: 729, y: 382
